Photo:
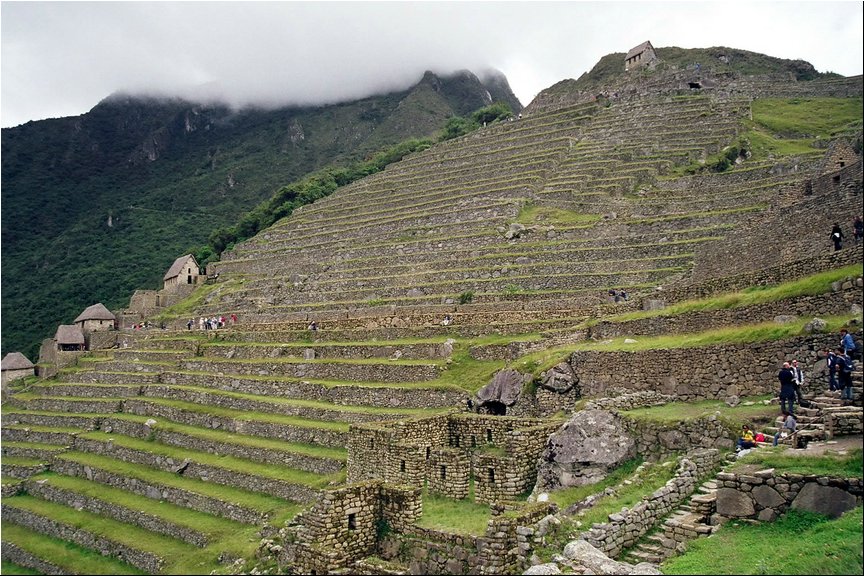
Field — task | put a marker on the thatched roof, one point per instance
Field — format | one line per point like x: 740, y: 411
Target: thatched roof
x: 177, y: 267
x: 638, y: 49
x: 95, y: 312
x: 69, y: 334
x: 16, y: 361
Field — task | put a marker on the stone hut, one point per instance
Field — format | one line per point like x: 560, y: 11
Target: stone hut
x: 641, y: 55
x: 14, y: 366
x: 184, y: 270
x: 96, y: 318
x: 69, y: 338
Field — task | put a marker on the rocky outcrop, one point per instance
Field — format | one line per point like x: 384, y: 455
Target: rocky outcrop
x: 584, y: 450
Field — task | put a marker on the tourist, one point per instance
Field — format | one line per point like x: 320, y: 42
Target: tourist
x: 799, y: 380
x: 189, y: 324
x: 845, y: 367
x: 233, y: 319
x: 858, y: 229
x: 847, y: 342
x: 788, y: 428
x: 201, y: 323
x: 787, y: 388
x: 313, y: 326
x: 837, y: 237
x: 746, y: 440
x: 447, y: 320
x: 831, y: 364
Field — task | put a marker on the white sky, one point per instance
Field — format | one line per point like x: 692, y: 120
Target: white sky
x: 62, y: 58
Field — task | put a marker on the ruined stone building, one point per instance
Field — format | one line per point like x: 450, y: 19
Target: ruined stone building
x: 641, y: 56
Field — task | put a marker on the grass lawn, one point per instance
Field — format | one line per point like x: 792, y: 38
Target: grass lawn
x: 455, y: 516
x: 797, y: 543
x: 849, y: 465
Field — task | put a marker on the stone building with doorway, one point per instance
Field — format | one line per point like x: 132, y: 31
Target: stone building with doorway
x: 184, y: 271
x: 14, y: 366
x: 69, y: 338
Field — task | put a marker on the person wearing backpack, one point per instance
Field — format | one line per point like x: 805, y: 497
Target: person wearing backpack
x: 845, y: 367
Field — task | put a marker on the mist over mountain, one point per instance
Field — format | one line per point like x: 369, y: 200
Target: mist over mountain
x: 98, y: 205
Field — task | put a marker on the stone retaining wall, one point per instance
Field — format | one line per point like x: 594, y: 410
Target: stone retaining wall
x: 156, y: 491
x: 703, y: 373
x: 764, y: 495
x: 835, y: 303
x: 349, y: 395
x: 144, y: 560
x: 205, y: 472
x: 625, y: 528
x: 140, y: 518
x: 12, y: 553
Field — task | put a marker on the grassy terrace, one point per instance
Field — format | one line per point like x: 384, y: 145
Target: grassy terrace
x: 180, y: 558
x: 843, y: 465
x: 808, y: 286
x: 276, y: 509
x: 72, y: 558
x: 822, y: 546
x: 241, y: 466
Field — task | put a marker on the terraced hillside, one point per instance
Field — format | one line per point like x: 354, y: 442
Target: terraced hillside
x: 175, y: 450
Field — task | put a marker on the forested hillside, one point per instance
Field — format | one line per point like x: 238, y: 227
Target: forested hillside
x: 99, y: 205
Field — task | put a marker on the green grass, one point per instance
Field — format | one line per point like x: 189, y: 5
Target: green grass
x: 681, y: 411
x: 808, y: 117
x: 240, y: 466
x: 849, y: 465
x: 262, y: 503
x: 455, y: 516
x: 533, y: 214
x: 11, y: 569
x: 568, y: 496
x: 808, y: 286
x: 63, y: 554
x: 797, y: 543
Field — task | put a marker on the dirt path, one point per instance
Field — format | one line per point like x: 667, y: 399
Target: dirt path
x: 839, y: 445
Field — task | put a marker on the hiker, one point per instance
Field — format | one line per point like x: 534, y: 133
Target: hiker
x: 746, y: 440
x: 845, y: 367
x: 201, y: 323
x: 189, y: 324
x: 837, y: 237
x: 799, y: 380
x: 787, y: 388
x: 831, y: 364
x: 313, y: 326
x: 789, y: 425
x: 623, y: 295
x: 847, y: 342
x: 233, y: 319
x: 447, y: 320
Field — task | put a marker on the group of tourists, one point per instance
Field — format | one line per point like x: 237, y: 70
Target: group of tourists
x: 837, y: 235
x: 618, y: 295
x: 213, y: 323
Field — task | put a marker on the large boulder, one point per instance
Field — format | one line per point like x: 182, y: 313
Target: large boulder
x: 560, y: 378
x: 826, y: 500
x: 581, y: 554
x: 584, y: 450
x: 502, y: 391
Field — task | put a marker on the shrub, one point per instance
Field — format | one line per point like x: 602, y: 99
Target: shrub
x: 466, y: 297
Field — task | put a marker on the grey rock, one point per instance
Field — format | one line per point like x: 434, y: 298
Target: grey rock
x: 309, y: 354
x: 767, y: 497
x: 732, y: 401
x: 559, y: 378
x: 826, y: 500
x: 515, y: 231
x: 815, y: 325
x: 731, y: 502
x: 785, y: 318
x: 505, y: 388
x: 549, y: 568
x: 583, y: 450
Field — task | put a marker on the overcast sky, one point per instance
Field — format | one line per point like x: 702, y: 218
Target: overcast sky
x: 62, y: 58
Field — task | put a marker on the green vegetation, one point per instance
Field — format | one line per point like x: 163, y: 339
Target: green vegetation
x: 455, y: 516
x: 850, y: 465
x: 566, y: 497
x: 797, y: 543
x: 532, y: 213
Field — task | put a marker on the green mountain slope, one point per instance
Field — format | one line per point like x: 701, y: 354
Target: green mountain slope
x: 99, y: 205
